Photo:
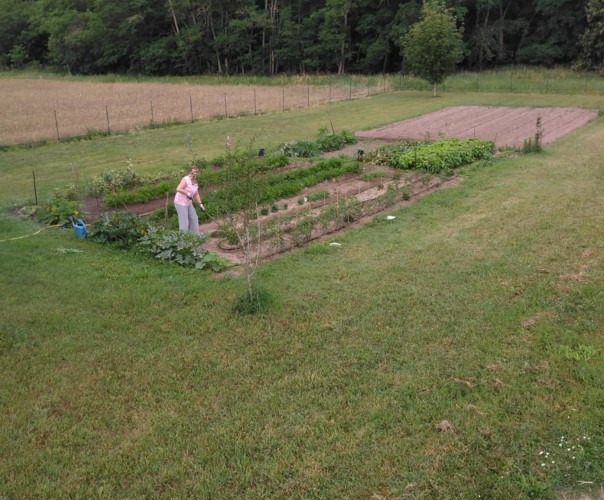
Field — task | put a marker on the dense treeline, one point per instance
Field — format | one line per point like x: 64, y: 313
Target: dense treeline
x: 182, y: 37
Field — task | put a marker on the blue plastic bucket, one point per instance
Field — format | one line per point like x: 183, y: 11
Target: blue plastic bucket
x: 80, y: 229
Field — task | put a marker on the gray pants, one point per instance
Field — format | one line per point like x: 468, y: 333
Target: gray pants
x: 187, y: 218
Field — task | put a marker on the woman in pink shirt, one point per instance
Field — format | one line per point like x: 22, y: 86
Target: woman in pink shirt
x: 186, y: 192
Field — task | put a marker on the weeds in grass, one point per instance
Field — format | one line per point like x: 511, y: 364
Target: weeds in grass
x: 533, y: 145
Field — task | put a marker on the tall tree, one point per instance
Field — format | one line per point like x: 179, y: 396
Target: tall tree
x: 331, y: 48
x: 434, y: 45
x: 592, y: 39
x: 553, y: 34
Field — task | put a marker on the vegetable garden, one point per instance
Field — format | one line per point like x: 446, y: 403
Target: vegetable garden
x: 300, y: 196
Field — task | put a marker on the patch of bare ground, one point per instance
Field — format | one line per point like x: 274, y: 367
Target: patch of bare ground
x: 506, y: 126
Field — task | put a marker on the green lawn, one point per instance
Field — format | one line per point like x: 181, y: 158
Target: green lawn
x: 454, y: 352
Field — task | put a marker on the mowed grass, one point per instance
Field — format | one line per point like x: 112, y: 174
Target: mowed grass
x: 454, y: 352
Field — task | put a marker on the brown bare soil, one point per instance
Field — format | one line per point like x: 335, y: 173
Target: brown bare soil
x: 507, y: 127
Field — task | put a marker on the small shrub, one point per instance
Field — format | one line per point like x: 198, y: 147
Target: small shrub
x: 121, y: 229
x: 277, y: 160
x: 534, y: 145
x: 302, y: 229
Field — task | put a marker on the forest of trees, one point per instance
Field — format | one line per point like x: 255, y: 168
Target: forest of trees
x: 266, y: 37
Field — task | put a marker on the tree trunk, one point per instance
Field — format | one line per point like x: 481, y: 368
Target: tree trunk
x: 174, y: 20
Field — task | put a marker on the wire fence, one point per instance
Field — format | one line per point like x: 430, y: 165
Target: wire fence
x: 513, y: 80
x: 45, y: 111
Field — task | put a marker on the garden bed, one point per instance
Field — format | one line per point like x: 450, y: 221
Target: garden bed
x: 285, y: 222
x: 505, y: 126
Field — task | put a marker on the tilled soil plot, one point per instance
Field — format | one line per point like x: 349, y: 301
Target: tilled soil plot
x: 507, y: 127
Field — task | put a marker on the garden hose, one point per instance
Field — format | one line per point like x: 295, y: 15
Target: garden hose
x: 28, y: 235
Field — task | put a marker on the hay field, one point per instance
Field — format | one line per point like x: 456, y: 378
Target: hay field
x: 36, y: 110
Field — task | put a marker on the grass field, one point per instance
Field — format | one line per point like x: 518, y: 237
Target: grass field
x: 455, y: 352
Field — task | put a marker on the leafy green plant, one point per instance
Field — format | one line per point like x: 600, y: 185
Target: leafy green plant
x: 143, y: 195
x: 302, y: 229
x: 533, y: 145
x: 580, y: 353
x: 277, y: 160
x: 317, y: 195
x: 121, y: 229
x: 115, y: 180
x: 59, y: 211
x: 325, y: 142
x: 183, y: 248
x: 253, y: 300
x: 130, y: 232
x: 212, y: 261
x: 383, y: 155
x: 441, y: 157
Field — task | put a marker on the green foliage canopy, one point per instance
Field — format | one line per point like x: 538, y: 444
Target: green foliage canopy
x: 434, y: 45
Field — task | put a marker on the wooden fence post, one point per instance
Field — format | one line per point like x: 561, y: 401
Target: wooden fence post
x: 107, y: 116
x: 57, y: 126
x: 35, y: 189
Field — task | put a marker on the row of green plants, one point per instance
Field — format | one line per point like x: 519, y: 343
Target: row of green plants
x: 440, y: 157
x: 130, y: 232
x: 149, y: 189
x: 283, y: 185
x: 324, y: 143
x: 125, y: 187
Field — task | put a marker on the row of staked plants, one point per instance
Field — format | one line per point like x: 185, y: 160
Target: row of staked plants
x: 332, y: 217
